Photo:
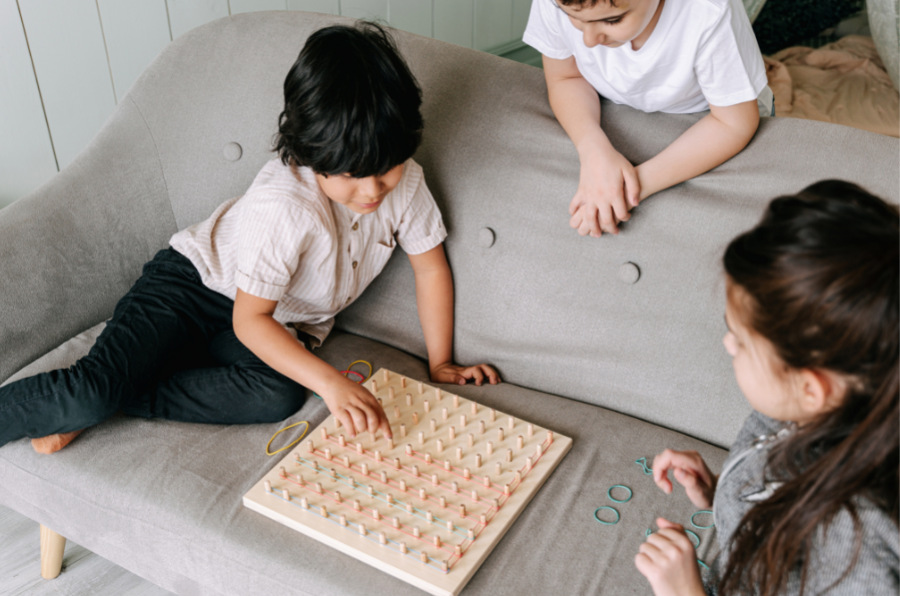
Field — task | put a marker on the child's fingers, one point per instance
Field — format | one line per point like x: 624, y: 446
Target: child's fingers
x: 632, y: 187
x: 574, y: 204
x: 359, y: 419
x: 346, y: 421
x: 608, y: 219
x: 492, y: 374
x: 475, y: 373
x: 686, y: 479
x: 663, y: 523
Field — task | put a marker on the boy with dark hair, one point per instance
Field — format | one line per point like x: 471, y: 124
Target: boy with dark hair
x: 219, y: 327
x: 674, y: 56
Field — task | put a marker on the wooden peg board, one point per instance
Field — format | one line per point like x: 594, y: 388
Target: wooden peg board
x: 426, y: 494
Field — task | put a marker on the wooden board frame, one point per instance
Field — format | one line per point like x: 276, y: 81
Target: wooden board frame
x: 433, y: 491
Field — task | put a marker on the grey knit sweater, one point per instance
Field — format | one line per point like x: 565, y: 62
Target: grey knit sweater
x: 741, y: 484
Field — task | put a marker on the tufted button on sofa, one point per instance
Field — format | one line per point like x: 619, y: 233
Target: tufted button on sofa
x: 614, y: 342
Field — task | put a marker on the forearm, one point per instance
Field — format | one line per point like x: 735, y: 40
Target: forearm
x: 434, y: 299
x: 707, y: 144
x: 274, y: 345
x: 576, y: 106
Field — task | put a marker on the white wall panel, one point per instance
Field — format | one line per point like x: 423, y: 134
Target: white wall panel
x: 136, y: 31
x: 453, y: 22
x: 26, y: 154
x: 324, y: 6
x: 239, y: 6
x: 184, y: 15
x: 493, y: 23
x: 365, y: 9
x: 72, y: 70
x: 411, y: 15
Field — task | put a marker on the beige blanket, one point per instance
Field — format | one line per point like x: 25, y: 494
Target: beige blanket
x: 844, y: 82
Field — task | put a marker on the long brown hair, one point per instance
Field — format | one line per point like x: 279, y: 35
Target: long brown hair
x: 821, y: 277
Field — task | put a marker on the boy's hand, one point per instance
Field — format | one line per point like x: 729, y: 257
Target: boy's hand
x: 690, y: 471
x: 608, y: 188
x: 355, y: 408
x: 668, y: 561
x: 459, y: 375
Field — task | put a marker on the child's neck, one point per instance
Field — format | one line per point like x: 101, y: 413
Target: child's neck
x: 638, y: 42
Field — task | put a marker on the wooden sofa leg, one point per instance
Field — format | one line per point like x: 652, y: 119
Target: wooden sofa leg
x: 52, y: 547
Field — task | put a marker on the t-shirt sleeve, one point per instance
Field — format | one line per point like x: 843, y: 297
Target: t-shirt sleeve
x: 272, y: 235
x: 421, y: 226
x: 545, y: 32
x: 729, y: 65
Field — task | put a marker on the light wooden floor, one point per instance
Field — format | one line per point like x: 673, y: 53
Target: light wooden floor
x: 83, y: 574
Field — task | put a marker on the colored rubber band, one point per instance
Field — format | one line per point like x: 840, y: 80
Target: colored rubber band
x: 643, y: 463
x: 606, y: 523
x: 702, y: 564
x: 693, y: 523
x: 362, y: 362
x: 648, y: 532
x: 615, y: 500
x: 269, y: 444
x: 362, y: 378
x: 689, y: 533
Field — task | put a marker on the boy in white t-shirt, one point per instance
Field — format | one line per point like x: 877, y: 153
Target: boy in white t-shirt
x: 219, y: 327
x: 675, y: 56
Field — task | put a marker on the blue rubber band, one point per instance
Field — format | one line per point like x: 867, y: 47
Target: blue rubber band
x: 648, y: 532
x: 606, y: 523
x: 696, y: 513
x: 702, y: 564
x: 615, y: 500
x: 643, y: 463
x: 689, y: 533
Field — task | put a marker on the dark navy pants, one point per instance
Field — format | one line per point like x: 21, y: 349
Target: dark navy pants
x: 169, y: 351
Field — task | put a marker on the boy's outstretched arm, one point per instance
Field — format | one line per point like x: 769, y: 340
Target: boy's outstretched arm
x: 352, y: 404
x: 715, y: 139
x: 434, y: 298
x: 608, y: 186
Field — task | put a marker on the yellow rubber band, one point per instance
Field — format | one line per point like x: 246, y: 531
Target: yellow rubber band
x: 362, y: 362
x: 269, y: 444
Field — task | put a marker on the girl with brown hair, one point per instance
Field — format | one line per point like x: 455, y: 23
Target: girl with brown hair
x: 807, y: 502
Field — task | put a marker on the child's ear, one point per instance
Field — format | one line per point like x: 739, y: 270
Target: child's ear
x: 820, y: 392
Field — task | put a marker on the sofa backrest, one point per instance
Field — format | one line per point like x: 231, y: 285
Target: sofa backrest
x: 632, y: 322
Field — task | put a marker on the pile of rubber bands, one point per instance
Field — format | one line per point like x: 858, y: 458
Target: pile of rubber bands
x: 347, y: 373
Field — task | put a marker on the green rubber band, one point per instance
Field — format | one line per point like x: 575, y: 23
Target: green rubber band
x: 696, y: 513
x: 643, y: 463
x: 702, y: 564
x: 648, y: 532
x: 606, y: 523
x: 689, y: 533
x: 615, y: 500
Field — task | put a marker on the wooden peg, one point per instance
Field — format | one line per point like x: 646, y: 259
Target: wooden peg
x: 495, y: 503
x: 386, y: 375
x: 429, y: 517
x: 482, y: 519
x: 373, y: 436
x: 432, y: 426
x: 310, y: 446
x: 364, y: 468
x: 490, y: 448
x: 427, y: 458
x: 396, y: 463
x: 530, y: 430
x: 499, y: 469
x: 549, y: 436
x: 474, y: 409
x: 347, y: 461
x: 304, y: 502
x: 328, y: 454
x: 455, y: 401
x: 374, y: 386
x: 421, y: 438
x: 409, y: 449
x: 402, y: 430
x: 480, y: 427
x: 435, y: 480
x: 447, y: 464
x: 343, y: 520
x: 462, y: 420
x: 396, y: 412
x: 342, y: 442
x: 356, y: 505
x: 500, y: 435
x: 337, y: 497
x: 470, y: 534
x: 403, y: 382
x: 520, y: 442
x: 509, y: 455
x: 323, y: 511
x: 506, y: 489
x: 477, y: 460
x: 529, y: 463
x: 282, y: 472
x: 285, y: 494
x: 395, y: 521
x: 454, y: 486
x: 493, y: 415
x: 475, y: 495
x: 452, y: 433
x: 409, y: 399
x: 462, y: 509
x: 416, y: 471
x: 390, y: 442
x: 332, y: 473
x: 443, y: 502
x: 449, y: 525
x: 359, y: 448
x: 362, y: 529
x: 444, y: 413
x: 427, y: 405
x: 437, y: 541
x: 511, y: 423
x: 424, y: 557
x: 409, y: 508
x: 518, y: 477
x: 371, y: 490
x: 382, y: 538
x: 487, y: 481
x: 377, y: 515
x: 384, y: 477
x: 318, y: 487
x: 422, y: 494
x: 440, y: 445
x: 437, y: 394
x: 471, y: 440
x: 403, y: 485
x: 417, y: 532
x: 389, y: 498
x: 415, y: 418
x: 459, y: 453
x: 421, y: 388
x: 268, y: 486
x: 538, y: 450
x: 391, y: 394
x: 445, y: 566
x: 337, y: 424
x: 467, y: 474
x: 324, y: 433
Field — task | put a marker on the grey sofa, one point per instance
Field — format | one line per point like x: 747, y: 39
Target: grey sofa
x: 614, y: 342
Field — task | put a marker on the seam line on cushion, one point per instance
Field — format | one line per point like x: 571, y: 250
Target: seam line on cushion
x: 158, y: 158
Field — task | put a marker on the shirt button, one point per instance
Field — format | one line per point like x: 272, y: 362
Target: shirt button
x: 354, y: 264
x: 355, y: 226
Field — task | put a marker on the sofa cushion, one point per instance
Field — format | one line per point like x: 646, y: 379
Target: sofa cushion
x: 163, y: 499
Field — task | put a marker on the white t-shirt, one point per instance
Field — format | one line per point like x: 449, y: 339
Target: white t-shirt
x: 284, y: 240
x: 701, y: 52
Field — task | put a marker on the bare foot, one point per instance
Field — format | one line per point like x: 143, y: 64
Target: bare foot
x: 53, y: 443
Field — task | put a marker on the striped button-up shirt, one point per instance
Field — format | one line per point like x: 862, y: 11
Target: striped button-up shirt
x: 284, y: 240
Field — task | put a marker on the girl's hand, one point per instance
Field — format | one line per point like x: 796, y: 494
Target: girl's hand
x: 668, y: 561
x: 690, y: 471
x: 608, y: 188
x: 459, y: 375
x: 355, y: 407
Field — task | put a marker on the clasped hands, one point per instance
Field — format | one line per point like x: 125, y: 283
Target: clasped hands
x: 608, y: 188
